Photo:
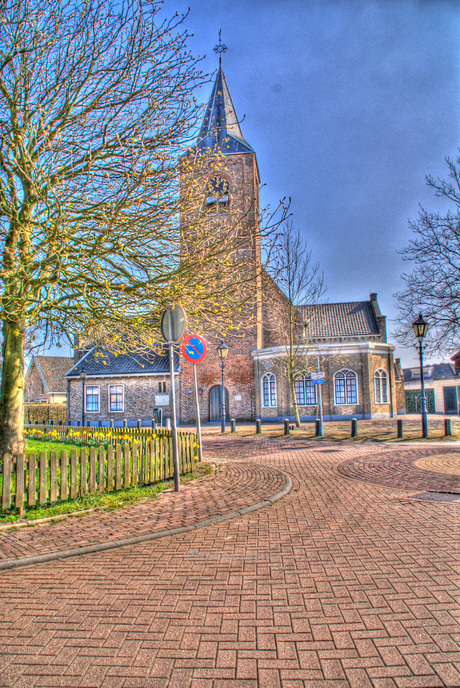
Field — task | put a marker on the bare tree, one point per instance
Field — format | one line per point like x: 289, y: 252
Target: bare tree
x: 96, y: 104
x: 293, y: 283
x: 433, y: 287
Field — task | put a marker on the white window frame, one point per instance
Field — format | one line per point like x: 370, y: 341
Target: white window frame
x: 122, y: 399
x: 269, y: 378
x: 98, y: 387
x: 349, y: 374
x: 302, y: 377
x: 380, y: 375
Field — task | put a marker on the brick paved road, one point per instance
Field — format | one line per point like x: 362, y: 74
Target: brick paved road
x: 361, y: 590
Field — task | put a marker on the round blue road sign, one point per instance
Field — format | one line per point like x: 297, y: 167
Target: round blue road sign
x: 194, y: 348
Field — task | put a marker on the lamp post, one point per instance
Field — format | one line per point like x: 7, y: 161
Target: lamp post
x: 420, y: 329
x: 222, y: 351
x: 83, y: 378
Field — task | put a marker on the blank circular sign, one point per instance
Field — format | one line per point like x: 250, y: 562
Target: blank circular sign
x: 173, y: 324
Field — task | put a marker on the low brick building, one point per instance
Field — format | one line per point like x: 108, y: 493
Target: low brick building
x: 45, y: 380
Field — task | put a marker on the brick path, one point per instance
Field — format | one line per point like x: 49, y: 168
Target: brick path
x: 234, y: 486
x: 360, y: 591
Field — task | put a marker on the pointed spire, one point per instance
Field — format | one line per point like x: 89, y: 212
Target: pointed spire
x: 220, y: 128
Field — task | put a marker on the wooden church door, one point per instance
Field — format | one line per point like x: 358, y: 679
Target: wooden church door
x: 215, y: 402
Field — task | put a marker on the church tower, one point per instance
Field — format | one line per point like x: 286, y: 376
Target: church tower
x: 220, y: 189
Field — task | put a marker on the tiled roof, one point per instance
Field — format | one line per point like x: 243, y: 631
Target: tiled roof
x: 436, y: 371
x: 354, y: 319
x: 220, y: 128
x: 53, y: 370
x: 98, y: 362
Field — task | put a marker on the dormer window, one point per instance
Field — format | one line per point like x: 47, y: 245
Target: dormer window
x: 217, y: 193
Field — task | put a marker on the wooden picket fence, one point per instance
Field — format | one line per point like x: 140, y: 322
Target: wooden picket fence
x: 47, y: 478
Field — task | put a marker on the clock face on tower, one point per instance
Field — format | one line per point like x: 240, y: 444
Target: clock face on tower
x: 218, y: 185
x: 217, y: 193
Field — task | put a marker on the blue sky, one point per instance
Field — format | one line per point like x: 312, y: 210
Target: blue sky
x: 348, y: 105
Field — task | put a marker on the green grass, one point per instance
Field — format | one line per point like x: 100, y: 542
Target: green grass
x: 37, y: 446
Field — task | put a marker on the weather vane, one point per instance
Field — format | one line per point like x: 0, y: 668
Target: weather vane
x: 221, y: 48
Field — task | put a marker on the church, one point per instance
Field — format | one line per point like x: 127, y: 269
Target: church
x: 343, y: 344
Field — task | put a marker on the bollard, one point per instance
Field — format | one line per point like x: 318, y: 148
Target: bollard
x: 287, y: 430
x: 258, y: 426
x: 60, y: 422
x: 168, y: 423
x: 233, y: 425
x: 88, y: 423
x: 36, y: 422
x: 125, y: 423
x: 154, y: 425
x: 400, y: 428
x: 447, y: 428
x: 354, y: 427
x: 139, y: 425
x: 69, y: 423
x: 319, y: 432
x: 51, y: 422
x: 99, y: 423
x: 112, y: 424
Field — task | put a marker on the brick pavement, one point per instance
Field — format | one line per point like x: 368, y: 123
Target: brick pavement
x: 231, y: 487
x: 360, y: 591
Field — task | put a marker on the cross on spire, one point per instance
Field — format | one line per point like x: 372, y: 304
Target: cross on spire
x: 221, y: 48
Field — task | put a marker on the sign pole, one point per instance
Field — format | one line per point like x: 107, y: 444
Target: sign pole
x: 197, y: 415
x: 173, y: 405
x: 320, y: 402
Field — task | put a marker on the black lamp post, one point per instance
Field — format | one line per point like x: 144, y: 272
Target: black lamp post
x: 420, y: 329
x: 222, y: 351
x: 83, y: 378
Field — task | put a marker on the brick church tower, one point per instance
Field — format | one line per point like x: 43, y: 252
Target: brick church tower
x: 221, y: 170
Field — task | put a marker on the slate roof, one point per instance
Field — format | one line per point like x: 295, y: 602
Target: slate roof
x: 220, y: 128
x: 353, y: 319
x: 98, y: 362
x: 53, y: 370
x: 436, y: 371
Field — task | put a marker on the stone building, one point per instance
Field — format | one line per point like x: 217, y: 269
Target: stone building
x: 346, y: 341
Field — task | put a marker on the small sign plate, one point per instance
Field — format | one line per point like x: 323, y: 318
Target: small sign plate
x: 161, y: 399
x: 194, y: 348
x: 317, y: 376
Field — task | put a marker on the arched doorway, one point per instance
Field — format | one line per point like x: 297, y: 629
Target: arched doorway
x: 215, y: 402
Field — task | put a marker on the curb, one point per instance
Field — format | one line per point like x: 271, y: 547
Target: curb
x: 113, y: 544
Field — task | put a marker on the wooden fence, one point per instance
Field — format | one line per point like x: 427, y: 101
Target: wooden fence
x: 45, y: 478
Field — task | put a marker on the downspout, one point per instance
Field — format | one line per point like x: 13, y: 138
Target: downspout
x: 391, y: 370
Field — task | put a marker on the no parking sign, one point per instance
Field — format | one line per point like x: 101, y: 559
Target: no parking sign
x: 194, y: 348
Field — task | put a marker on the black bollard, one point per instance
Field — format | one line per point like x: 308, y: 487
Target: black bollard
x: 354, y: 427
x: 125, y: 423
x: 400, y: 428
x: 258, y: 426
x: 447, y: 427
x: 287, y: 430
x: 139, y: 424
x: 233, y: 425
x: 318, y: 428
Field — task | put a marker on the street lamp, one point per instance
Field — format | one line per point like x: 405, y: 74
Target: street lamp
x: 83, y: 378
x: 222, y: 351
x: 420, y: 329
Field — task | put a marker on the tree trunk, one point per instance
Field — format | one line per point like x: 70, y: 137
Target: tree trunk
x: 294, y: 405
x: 12, y: 390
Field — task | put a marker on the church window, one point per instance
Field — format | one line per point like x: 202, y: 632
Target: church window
x: 217, y: 196
x: 269, y: 390
x: 346, y: 387
x: 381, y: 387
x: 116, y: 400
x: 305, y: 391
x: 92, y: 399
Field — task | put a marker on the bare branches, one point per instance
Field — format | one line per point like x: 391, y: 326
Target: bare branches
x: 433, y: 287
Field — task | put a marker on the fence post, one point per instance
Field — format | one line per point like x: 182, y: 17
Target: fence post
x: 400, y: 428
x: 233, y: 425
x: 287, y: 430
x: 354, y: 427
x: 447, y: 427
x: 258, y: 426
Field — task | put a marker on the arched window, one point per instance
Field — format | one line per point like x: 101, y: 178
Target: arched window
x: 269, y: 390
x: 381, y: 387
x: 217, y: 193
x: 305, y: 390
x: 346, y: 387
